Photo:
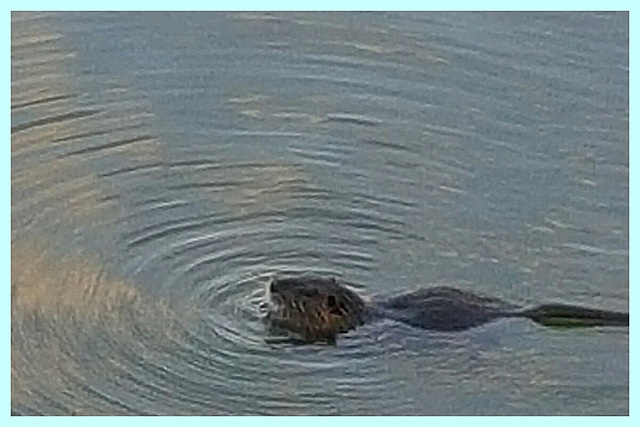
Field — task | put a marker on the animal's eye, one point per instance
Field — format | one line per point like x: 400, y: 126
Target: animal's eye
x: 331, y: 300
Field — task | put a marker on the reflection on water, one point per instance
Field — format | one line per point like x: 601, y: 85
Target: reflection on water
x: 246, y: 186
x: 165, y: 166
x: 67, y: 316
x: 52, y: 287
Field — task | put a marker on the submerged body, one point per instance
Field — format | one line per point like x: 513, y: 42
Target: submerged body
x: 317, y: 309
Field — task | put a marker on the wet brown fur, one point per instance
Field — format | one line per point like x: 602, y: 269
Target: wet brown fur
x: 314, y: 308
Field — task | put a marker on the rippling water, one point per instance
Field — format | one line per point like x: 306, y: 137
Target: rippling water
x: 164, y: 166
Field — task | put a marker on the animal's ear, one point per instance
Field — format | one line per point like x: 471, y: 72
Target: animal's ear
x: 331, y: 301
x: 334, y: 281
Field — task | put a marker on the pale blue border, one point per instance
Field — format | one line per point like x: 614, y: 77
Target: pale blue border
x: 5, y: 194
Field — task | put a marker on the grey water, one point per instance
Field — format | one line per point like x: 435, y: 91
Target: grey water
x: 165, y: 165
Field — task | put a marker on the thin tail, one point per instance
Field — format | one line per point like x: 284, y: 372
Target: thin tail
x: 573, y: 316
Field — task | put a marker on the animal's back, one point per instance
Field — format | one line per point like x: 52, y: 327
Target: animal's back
x: 444, y: 308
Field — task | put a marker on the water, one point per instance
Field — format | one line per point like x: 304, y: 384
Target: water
x: 165, y: 165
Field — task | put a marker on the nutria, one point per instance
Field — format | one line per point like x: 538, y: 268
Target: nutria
x: 318, y: 309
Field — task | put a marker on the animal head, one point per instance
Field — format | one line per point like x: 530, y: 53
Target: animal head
x: 313, y: 308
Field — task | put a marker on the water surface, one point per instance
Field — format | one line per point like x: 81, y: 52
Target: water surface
x: 165, y: 165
